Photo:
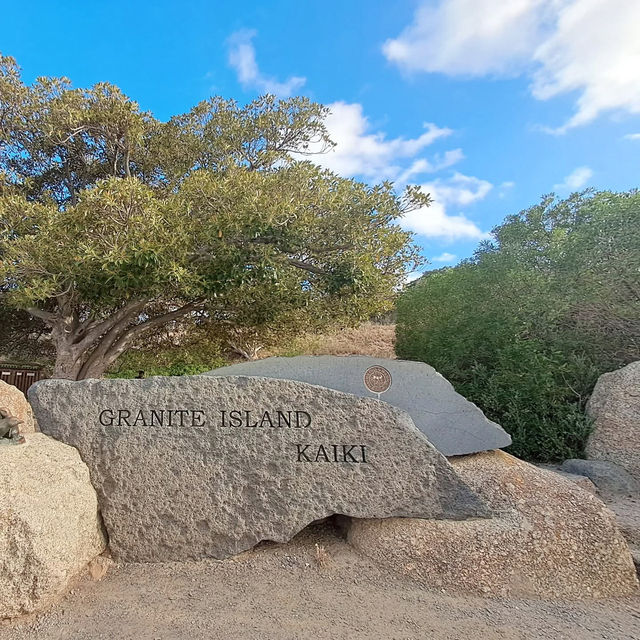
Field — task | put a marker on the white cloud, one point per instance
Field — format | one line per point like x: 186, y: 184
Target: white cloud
x: 359, y: 151
x: 459, y: 189
x: 586, y: 46
x: 440, y: 161
x: 470, y: 37
x: 242, y: 57
x: 435, y: 222
x: 577, y: 179
x: 445, y: 257
x: 505, y: 188
x: 363, y: 152
x: 632, y: 136
x: 412, y: 275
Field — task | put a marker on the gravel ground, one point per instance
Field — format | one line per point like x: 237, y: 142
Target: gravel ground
x: 315, y: 587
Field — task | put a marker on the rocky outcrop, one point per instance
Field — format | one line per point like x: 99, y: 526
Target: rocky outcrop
x: 194, y: 467
x: 49, y: 523
x: 548, y: 538
x: 12, y: 399
x: 615, y: 408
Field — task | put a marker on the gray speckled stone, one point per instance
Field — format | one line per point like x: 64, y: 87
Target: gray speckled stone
x: 607, y: 476
x: 452, y: 424
x: 204, y: 489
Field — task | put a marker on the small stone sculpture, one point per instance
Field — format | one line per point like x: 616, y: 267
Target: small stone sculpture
x: 9, y: 431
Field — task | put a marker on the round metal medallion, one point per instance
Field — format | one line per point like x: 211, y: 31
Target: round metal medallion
x: 377, y: 379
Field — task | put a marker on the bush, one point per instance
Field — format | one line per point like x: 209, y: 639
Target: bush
x: 175, y: 369
x: 176, y: 361
x: 525, y: 328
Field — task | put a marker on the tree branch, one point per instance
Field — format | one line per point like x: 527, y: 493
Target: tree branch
x: 48, y: 317
x: 92, y: 330
x: 307, y: 266
x: 270, y: 240
x: 160, y: 320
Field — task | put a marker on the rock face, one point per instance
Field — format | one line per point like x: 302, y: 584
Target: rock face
x: 200, y: 466
x: 607, y: 476
x: 451, y: 423
x: 49, y: 523
x: 549, y: 538
x: 615, y: 407
x: 627, y: 512
x: 13, y: 399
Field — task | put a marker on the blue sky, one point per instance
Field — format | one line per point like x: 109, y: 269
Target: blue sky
x: 488, y: 104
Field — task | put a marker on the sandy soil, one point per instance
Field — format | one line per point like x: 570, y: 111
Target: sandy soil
x: 301, y: 590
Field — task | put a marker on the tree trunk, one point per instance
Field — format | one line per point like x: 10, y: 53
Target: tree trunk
x: 67, y: 364
x: 91, y: 361
x: 77, y: 360
x: 87, y: 350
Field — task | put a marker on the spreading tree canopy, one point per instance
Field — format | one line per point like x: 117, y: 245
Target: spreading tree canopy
x: 113, y: 223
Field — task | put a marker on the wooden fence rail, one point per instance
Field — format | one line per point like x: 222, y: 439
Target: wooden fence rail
x: 21, y: 377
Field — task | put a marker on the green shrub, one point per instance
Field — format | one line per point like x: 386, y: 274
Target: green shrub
x: 525, y: 328
x: 174, y: 361
x: 175, y: 369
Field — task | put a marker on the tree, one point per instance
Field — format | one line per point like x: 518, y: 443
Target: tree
x: 23, y: 338
x: 114, y: 224
x: 527, y: 325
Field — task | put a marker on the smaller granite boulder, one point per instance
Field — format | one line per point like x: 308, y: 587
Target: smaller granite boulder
x: 610, y: 478
x: 548, y: 538
x: 49, y: 523
x: 615, y: 408
x: 13, y: 400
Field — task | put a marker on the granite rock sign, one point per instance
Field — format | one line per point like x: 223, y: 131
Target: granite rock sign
x: 451, y: 423
x: 195, y: 467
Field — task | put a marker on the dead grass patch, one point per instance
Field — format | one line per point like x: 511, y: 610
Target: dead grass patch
x: 376, y: 340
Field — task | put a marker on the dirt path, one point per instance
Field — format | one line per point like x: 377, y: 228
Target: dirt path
x: 284, y: 592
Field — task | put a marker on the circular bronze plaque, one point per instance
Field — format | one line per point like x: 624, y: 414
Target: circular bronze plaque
x: 377, y: 379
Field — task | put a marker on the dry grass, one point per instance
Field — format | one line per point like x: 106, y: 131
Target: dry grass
x: 322, y: 557
x: 377, y: 340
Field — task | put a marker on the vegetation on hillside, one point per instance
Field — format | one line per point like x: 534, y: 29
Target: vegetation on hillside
x: 526, y: 326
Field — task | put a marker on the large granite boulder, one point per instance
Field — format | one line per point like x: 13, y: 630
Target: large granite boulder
x: 199, y: 466
x: 548, y: 538
x: 12, y: 399
x: 615, y: 407
x: 49, y: 523
x: 451, y: 423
